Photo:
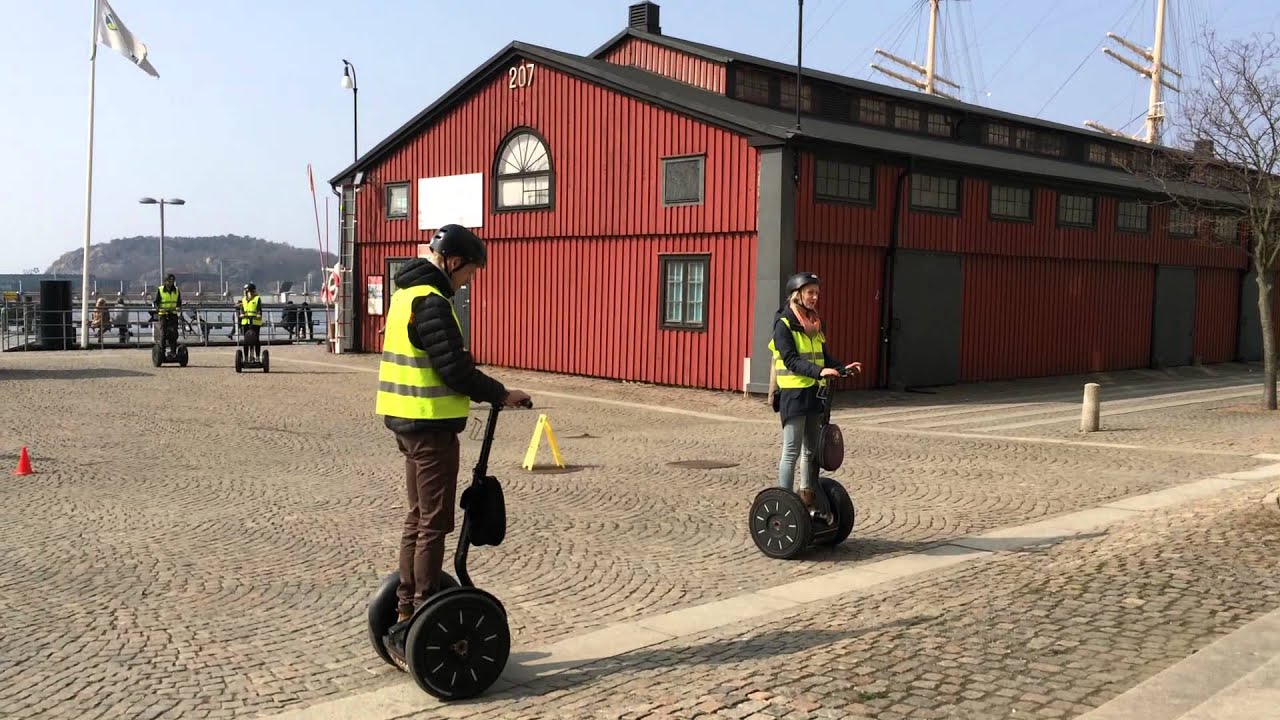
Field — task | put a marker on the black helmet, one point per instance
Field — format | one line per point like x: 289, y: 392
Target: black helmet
x: 170, y: 277
x: 251, y: 286
x: 799, y: 280
x: 457, y: 241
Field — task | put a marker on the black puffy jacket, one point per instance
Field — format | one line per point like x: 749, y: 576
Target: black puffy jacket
x: 433, y: 331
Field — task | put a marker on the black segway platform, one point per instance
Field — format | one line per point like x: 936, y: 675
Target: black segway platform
x: 245, y: 362
x: 456, y: 644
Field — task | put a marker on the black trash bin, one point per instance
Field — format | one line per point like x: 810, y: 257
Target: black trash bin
x: 56, y: 329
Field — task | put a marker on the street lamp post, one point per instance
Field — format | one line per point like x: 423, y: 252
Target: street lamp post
x: 349, y: 82
x: 162, y: 202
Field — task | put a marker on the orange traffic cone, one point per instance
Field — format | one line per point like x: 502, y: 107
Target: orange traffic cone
x: 24, y: 463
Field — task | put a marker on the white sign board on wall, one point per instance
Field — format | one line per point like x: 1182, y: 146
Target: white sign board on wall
x: 451, y: 199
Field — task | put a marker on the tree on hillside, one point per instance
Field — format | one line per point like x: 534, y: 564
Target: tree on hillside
x: 1231, y: 122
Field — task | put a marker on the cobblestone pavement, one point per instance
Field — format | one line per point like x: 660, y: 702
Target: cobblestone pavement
x: 1047, y: 633
x: 198, y: 543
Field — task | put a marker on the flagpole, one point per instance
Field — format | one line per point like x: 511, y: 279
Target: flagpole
x: 88, y: 184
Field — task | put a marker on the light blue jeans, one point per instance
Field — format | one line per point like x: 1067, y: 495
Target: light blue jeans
x: 797, y: 432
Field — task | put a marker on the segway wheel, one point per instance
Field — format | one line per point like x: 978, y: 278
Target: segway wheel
x: 458, y: 644
x: 382, y: 611
x: 842, y: 505
x: 780, y: 524
x: 266, y: 361
x: 157, y: 355
x: 239, y: 360
x: 183, y: 356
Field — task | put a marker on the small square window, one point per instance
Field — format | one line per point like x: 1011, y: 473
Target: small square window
x: 871, y: 111
x: 1132, y: 216
x: 935, y: 192
x: 787, y: 96
x: 682, y: 180
x: 1075, y: 210
x: 398, y: 200
x: 1097, y: 154
x: 684, y: 291
x: 1182, y: 222
x: 939, y: 124
x: 1010, y: 203
x: 998, y: 135
x: 1226, y: 228
x: 906, y: 118
x: 751, y: 86
x: 842, y: 181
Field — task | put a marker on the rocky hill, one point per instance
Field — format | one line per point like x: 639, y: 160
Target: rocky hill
x: 135, y: 260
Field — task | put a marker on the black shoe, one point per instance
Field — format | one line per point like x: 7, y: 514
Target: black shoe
x: 395, y: 639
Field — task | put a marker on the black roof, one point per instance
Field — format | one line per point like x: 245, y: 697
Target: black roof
x: 717, y: 54
x: 768, y: 124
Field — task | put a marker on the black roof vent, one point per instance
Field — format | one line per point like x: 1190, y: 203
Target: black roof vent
x: 644, y: 16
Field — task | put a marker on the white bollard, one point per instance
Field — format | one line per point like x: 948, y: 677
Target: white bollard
x: 1089, y: 413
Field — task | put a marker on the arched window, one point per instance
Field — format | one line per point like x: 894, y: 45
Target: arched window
x: 524, y: 173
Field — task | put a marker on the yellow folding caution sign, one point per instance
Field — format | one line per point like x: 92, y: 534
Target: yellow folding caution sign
x: 532, y: 453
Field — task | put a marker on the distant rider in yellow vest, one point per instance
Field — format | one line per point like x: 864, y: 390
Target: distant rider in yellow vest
x: 800, y: 361
x: 249, y: 310
x: 426, y: 382
x: 168, y: 302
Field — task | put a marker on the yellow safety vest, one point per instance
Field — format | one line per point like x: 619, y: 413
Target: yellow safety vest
x: 168, y: 301
x: 809, y: 348
x: 408, y: 387
x: 249, y: 312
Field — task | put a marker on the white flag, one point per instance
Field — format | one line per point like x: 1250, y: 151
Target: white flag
x: 113, y: 34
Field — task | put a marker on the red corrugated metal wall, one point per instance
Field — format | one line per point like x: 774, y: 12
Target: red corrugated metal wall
x: 1028, y: 317
x: 606, y: 152
x: 599, y: 314
x: 850, y: 304
x: 1038, y: 299
x: 666, y: 62
x: 1217, y: 314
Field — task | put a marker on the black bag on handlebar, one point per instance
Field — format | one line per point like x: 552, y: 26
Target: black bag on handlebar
x: 831, y: 448
x: 488, y: 510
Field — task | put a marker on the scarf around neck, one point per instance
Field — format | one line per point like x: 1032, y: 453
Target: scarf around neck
x: 809, y: 319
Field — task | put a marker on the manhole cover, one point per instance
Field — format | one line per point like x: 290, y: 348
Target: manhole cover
x: 703, y: 464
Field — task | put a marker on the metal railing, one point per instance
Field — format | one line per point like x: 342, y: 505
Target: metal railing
x: 25, y: 326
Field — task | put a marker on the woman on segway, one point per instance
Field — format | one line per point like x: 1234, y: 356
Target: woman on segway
x: 800, y: 361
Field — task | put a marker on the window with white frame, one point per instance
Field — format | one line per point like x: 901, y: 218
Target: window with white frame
x: 1075, y: 210
x: 1132, y: 215
x: 397, y: 200
x: 1010, y: 202
x: 524, y: 173
x: 937, y: 193
x: 684, y: 291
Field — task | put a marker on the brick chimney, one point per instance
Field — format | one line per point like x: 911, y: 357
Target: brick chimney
x: 1202, y: 149
x: 644, y: 16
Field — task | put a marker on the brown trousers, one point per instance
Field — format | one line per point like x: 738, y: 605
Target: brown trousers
x: 431, y: 482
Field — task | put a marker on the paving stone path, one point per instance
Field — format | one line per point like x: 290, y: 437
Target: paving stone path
x: 198, y: 543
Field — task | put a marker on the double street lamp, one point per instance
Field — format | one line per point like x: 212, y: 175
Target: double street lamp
x: 162, y: 202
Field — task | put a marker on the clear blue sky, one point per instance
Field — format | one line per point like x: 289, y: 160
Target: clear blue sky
x: 249, y: 90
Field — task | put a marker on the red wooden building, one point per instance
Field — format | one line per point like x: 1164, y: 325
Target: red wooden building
x: 644, y: 206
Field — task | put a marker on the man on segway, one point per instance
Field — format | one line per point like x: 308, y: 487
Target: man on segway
x: 168, y: 302
x: 425, y: 383
x: 249, y: 311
